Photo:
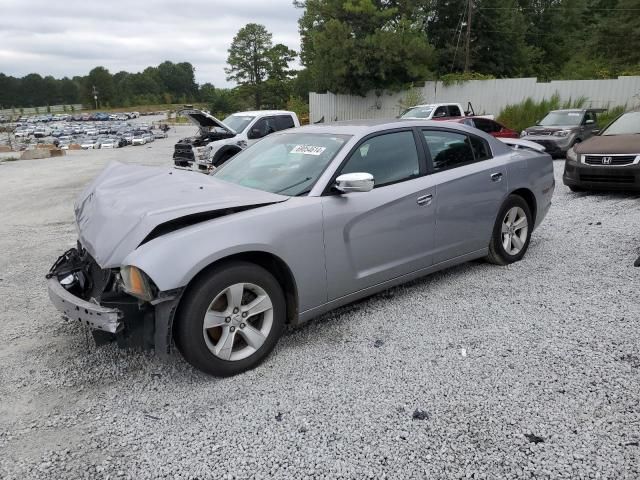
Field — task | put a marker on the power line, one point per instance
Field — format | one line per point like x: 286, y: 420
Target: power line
x: 468, y: 41
x: 459, y: 35
x: 563, y: 8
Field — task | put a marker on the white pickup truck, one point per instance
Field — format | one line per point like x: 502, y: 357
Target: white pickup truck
x: 217, y: 141
x: 440, y: 111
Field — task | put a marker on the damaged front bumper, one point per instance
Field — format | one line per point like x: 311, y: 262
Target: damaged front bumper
x: 84, y: 292
x: 94, y: 316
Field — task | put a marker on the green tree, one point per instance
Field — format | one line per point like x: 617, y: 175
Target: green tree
x: 257, y: 66
x: 357, y: 45
x: 101, y: 79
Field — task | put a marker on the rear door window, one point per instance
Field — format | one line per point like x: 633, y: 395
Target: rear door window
x: 484, y: 124
x: 452, y: 149
x: 454, y: 111
x: 284, y: 122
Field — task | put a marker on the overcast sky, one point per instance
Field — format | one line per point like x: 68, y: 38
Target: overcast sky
x: 70, y: 37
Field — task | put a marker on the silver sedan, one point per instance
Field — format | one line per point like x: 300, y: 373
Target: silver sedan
x: 298, y: 224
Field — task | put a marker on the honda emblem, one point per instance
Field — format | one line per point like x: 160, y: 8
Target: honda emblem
x: 606, y: 160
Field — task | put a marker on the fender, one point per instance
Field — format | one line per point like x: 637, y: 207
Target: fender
x: 224, y: 151
x: 172, y: 260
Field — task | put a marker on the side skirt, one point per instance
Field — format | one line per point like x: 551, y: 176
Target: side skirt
x: 367, y: 292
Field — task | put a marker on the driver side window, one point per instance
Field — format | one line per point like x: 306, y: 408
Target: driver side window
x: 264, y: 127
x: 390, y: 158
x: 440, y: 112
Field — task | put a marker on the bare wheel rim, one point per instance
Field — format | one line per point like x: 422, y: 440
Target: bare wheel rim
x: 515, y: 228
x: 238, y: 321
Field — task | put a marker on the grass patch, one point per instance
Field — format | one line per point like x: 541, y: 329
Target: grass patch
x: 519, y: 116
x: 604, y: 119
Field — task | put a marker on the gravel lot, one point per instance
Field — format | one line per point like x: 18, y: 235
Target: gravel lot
x: 526, y: 371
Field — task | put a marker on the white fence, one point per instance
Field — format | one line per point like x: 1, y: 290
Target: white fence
x: 16, y: 112
x: 487, y: 96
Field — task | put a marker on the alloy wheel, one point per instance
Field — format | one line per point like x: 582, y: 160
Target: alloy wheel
x: 515, y: 228
x: 238, y: 321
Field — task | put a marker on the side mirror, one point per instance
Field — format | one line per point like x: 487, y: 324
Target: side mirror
x: 255, y: 133
x: 355, y: 182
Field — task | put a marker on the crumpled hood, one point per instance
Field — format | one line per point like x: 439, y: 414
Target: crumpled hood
x: 124, y: 204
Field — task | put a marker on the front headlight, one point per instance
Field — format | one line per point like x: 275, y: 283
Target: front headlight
x: 561, y: 133
x: 572, y: 155
x: 523, y: 133
x: 136, y: 283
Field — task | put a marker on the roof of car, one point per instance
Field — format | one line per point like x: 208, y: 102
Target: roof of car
x: 264, y: 112
x: 358, y: 127
x: 581, y: 110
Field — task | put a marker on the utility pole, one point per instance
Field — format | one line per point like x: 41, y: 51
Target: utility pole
x: 468, y: 41
x: 95, y: 95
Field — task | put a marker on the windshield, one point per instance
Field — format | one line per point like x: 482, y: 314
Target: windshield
x: 560, y: 119
x: 417, y: 112
x: 237, y: 123
x: 627, y: 124
x: 288, y: 163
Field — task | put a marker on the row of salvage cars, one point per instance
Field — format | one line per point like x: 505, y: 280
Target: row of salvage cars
x: 308, y: 219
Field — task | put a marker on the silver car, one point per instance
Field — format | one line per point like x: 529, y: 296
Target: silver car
x: 302, y: 222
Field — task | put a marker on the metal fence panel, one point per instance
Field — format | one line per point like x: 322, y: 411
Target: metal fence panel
x: 487, y: 96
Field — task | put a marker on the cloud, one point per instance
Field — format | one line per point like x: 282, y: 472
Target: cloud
x: 70, y: 38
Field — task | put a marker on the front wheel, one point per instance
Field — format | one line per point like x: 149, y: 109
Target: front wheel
x: 230, y: 319
x: 511, y: 232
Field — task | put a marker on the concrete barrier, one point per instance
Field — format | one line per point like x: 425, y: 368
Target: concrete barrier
x: 40, y: 153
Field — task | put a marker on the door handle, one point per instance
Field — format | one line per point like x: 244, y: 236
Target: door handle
x: 496, y: 177
x: 424, y: 200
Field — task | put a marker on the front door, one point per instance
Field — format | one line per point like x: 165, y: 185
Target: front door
x: 371, y: 237
x: 470, y: 188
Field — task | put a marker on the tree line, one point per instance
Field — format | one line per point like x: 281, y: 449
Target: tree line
x: 353, y: 46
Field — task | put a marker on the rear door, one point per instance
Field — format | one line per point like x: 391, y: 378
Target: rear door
x: 470, y: 187
x: 371, y: 237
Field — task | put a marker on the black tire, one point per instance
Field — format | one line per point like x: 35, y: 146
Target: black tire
x: 576, y: 189
x: 188, y: 331
x: 497, y: 253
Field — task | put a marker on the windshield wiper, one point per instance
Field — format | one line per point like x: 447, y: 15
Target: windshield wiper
x: 294, y: 185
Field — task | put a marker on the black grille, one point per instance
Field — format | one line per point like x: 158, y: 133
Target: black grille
x: 183, y: 152
x: 625, y: 179
x: 614, y: 160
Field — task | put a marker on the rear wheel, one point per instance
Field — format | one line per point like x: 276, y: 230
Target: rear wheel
x: 230, y: 319
x: 511, y: 232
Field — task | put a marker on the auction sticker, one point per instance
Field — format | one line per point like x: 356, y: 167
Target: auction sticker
x: 308, y: 149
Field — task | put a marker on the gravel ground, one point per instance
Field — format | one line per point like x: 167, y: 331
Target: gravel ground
x: 526, y: 371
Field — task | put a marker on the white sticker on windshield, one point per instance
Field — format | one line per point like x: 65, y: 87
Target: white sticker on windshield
x: 308, y: 149
x: 573, y: 114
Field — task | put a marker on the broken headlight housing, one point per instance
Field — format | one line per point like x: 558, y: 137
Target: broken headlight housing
x: 135, y: 282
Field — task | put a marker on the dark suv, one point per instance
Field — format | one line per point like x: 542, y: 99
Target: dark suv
x: 560, y: 130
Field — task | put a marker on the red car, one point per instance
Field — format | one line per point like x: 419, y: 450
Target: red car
x: 487, y: 125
